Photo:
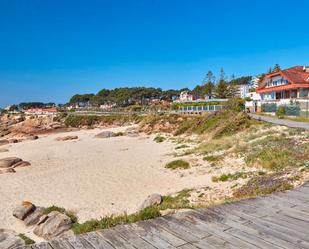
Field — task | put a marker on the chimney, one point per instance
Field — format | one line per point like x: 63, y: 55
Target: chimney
x: 306, y: 69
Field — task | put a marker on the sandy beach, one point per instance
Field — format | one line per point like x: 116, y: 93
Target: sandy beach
x: 91, y: 176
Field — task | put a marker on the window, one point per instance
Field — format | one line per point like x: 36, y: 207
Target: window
x: 304, y: 92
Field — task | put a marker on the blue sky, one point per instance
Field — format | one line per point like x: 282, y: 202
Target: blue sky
x: 52, y: 49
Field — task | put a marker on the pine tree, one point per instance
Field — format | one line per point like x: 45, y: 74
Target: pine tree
x: 208, y: 83
x: 277, y: 68
x: 221, y: 89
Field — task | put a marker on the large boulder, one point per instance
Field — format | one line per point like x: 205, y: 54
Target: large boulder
x: 22, y: 211
x: 66, y: 138
x: 105, y: 134
x: 52, y: 225
x: 9, y: 162
x: 10, y: 239
x: 154, y: 199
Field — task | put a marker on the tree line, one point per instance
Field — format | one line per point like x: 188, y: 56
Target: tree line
x: 222, y: 87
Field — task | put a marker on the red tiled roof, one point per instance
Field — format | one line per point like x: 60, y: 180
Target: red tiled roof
x: 296, y: 76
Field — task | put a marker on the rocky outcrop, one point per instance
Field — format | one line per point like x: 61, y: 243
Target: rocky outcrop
x: 154, y: 199
x: 8, y: 164
x: 10, y: 239
x: 105, y: 134
x: 47, y: 226
x: 66, y: 138
x: 53, y: 225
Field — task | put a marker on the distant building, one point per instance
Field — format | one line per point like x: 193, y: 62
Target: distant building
x: 242, y: 90
x: 253, y: 102
x: 254, y: 83
x: 41, y: 111
x: 185, y: 96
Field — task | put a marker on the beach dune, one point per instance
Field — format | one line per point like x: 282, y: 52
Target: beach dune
x: 92, y: 177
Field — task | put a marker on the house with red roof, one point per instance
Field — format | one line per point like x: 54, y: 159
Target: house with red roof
x: 285, y: 85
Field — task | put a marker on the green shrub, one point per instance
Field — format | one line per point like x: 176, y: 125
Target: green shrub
x: 280, y: 112
x: 269, y: 107
x: 159, y: 139
x: 213, y: 158
x: 229, y: 176
x: 292, y: 110
x: 178, y: 164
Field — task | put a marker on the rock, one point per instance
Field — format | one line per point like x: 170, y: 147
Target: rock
x: 52, y: 225
x: 154, y: 199
x: 21, y: 212
x: 34, y: 217
x: 14, y: 141
x: 66, y: 138
x: 9, y: 162
x: 10, y: 239
x: 32, y: 137
x: 105, y: 134
x: 3, y: 150
x: 4, y: 141
x: 21, y: 164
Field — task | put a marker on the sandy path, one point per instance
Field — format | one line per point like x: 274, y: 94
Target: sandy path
x: 90, y: 176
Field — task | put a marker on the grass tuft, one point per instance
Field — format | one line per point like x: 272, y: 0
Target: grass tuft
x: 178, y: 164
x: 25, y: 238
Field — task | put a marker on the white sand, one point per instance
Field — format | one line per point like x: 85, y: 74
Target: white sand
x: 90, y: 176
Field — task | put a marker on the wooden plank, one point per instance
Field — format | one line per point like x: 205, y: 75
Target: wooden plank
x: 60, y: 244
x: 96, y: 241
x: 291, y: 242
x: 216, y: 229
x: 301, y: 229
x: 42, y: 245
x: 163, y: 234
x: 274, y: 227
x: 214, y: 242
x: 263, y: 234
x: 79, y: 243
x: 232, y: 221
x: 251, y: 239
x: 175, y: 229
x: 187, y: 246
x: 132, y: 238
x: 151, y: 238
x: 290, y: 219
x: 114, y: 239
x: 191, y: 226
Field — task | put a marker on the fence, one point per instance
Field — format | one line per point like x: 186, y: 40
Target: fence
x: 199, y: 109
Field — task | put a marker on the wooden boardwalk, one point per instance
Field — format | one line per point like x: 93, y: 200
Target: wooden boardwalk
x: 277, y: 221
